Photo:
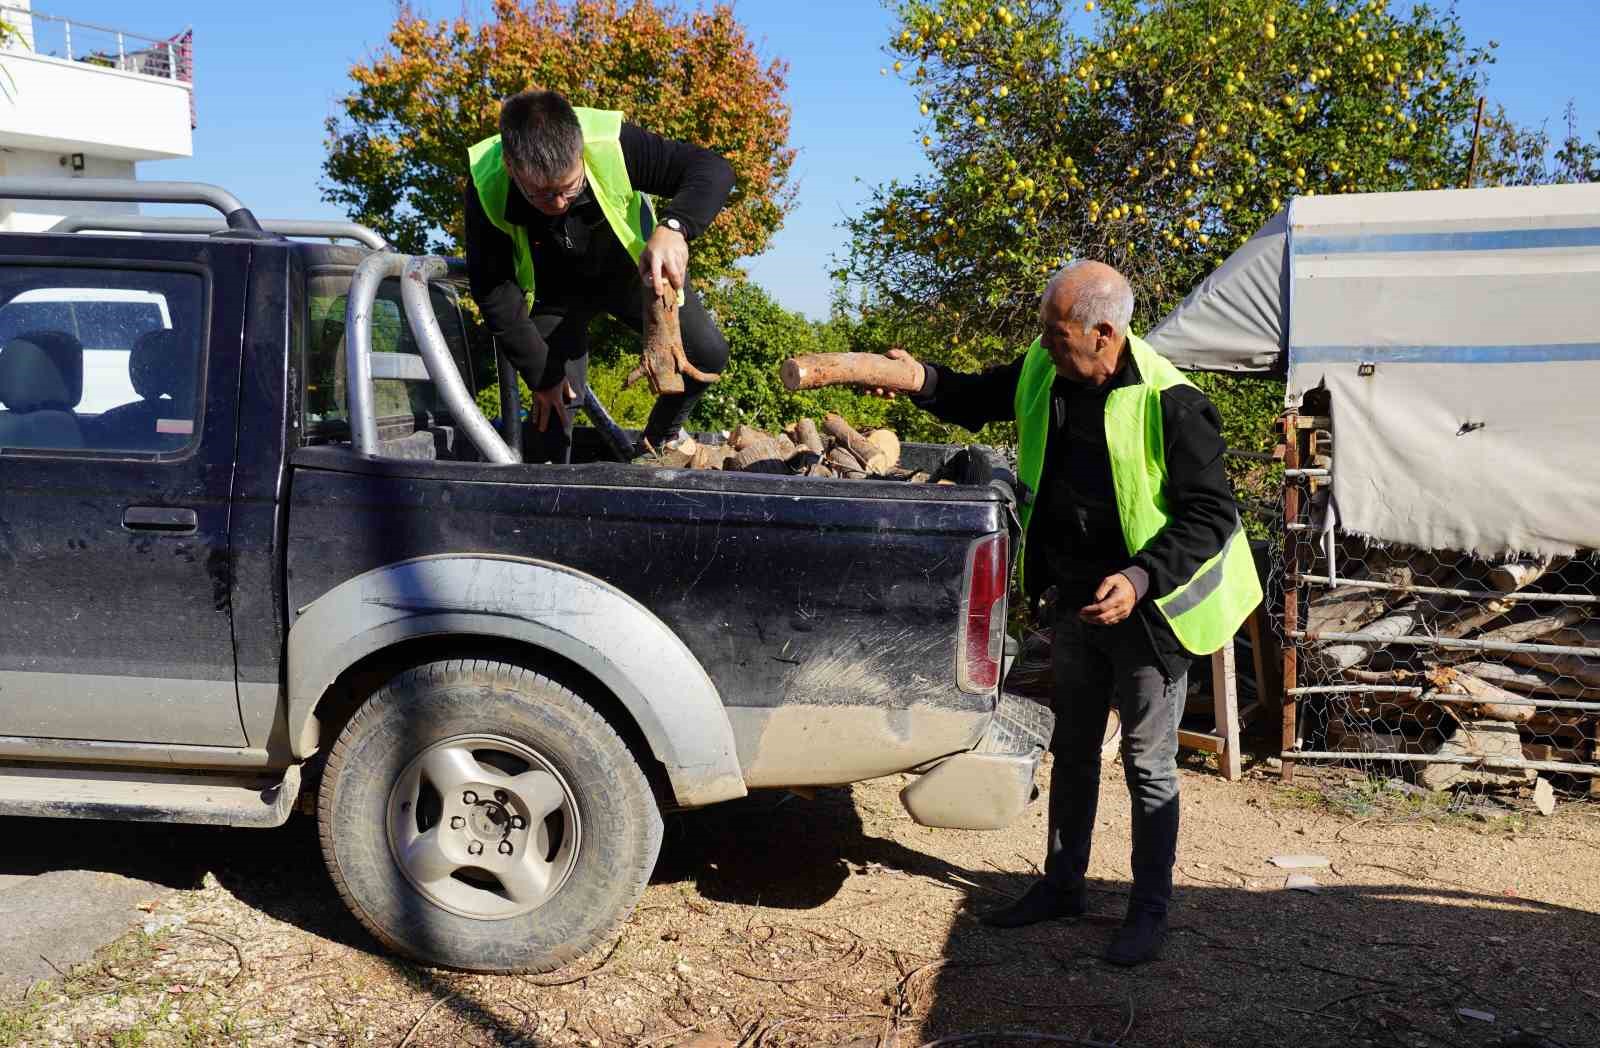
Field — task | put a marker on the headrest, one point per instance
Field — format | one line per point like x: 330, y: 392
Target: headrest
x: 41, y: 370
x: 158, y: 366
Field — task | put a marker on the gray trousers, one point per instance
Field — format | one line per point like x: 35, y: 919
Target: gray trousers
x: 1095, y: 667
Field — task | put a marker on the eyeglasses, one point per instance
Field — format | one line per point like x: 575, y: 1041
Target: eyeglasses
x: 552, y: 194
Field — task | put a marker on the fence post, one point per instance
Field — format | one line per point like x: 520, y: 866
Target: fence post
x: 66, y: 28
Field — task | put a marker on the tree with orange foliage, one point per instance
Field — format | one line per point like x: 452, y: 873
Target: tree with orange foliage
x: 397, y: 156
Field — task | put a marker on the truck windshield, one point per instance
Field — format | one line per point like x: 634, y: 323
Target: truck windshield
x: 326, y: 404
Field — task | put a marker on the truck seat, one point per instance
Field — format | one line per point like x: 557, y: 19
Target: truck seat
x: 41, y: 381
x: 162, y: 373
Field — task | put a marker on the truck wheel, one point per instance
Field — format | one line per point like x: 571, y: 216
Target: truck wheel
x: 477, y: 815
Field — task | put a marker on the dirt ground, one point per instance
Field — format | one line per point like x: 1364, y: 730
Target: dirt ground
x: 786, y: 921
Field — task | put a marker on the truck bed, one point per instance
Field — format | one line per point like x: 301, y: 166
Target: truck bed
x: 825, y: 611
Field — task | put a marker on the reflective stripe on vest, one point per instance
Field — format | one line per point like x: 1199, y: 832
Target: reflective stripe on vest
x: 1208, y: 609
x: 603, y: 165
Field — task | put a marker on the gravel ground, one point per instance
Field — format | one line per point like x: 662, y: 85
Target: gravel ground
x: 786, y: 921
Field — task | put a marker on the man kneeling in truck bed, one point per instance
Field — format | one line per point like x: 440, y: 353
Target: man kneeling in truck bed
x: 558, y: 232
x: 1142, y: 540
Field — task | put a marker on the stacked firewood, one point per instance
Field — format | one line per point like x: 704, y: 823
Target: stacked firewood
x: 1462, y: 700
x: 834, y: 449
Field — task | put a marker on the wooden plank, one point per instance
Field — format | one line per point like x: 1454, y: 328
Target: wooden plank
x: 1225, y: 698
x: 1199, y: 740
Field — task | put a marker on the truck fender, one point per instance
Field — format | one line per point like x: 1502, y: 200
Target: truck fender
x: 575, y: 615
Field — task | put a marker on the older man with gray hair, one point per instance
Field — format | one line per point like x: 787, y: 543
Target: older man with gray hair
x: 1128, y: 515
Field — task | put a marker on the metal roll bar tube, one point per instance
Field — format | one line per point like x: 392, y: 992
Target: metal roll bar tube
x: 415, y: 276
x: 131, y: 191
x: 358, y: 308
x: 289, y: 227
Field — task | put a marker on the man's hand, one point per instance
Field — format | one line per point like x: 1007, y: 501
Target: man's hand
x: 552, y: 403
x: 664, y: 265
x: 1114, y: 599
x: 900, y: 354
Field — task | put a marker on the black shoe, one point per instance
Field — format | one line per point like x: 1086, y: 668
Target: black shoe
x: 1139, y: 940
x: 1042, y: 902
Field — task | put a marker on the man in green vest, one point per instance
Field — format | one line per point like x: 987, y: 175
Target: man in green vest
x: 1128, y: 515
x: 558, y: 232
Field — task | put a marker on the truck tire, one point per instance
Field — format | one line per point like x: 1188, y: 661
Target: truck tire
x: 477, y: 815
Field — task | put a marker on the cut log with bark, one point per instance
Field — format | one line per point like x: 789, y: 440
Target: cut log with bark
x: 1340, y: 655
x: 888, y: 445
x: 1344, y: 609
x: 1477, y: 739
x: 1530, y: 682
x: 761, y: 455
x: 1574, y: 668
x: 872, y: 370
x: 1508, y: 578
x: 845, y: 434
x: 806, y: 436
x: 844, y: 463
x: 743, y: 436
x: 1528, y: 631
x: 1493, y: 701
x: 710, y: 456
x: 661, y: 359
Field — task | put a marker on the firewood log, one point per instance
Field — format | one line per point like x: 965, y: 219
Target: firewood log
x: 1530, y: 682
x: 743, y: 436
x: 851, y: 369
x: 1529, y: 630
x: 1492, y: 704
x: 1508, y: 578
x: 845, y: 434
x: 888, y: 445
x: 661, y: 359
x: 840, y: 458
x: 806, y: 436
x: 1339, y: 655
x: 760, y: 456
x: 710, y: 456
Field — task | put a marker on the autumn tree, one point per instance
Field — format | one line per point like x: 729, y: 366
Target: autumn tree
x: 397, y: 153
x: 1155, y: 136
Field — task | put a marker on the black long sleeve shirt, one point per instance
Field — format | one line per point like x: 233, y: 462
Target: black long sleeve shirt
x: 1075, y: 535
x: 577, y: 250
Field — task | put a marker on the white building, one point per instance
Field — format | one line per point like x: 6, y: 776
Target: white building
x: 86, y: 101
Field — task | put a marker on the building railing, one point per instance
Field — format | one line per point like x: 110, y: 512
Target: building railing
x: 57, y: 37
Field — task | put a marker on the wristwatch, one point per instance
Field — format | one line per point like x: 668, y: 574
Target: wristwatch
x: 674, y: 225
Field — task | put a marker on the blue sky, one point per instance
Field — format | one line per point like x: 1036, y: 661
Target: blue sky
x: 268, y: 75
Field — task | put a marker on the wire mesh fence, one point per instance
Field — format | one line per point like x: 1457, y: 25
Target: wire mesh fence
x: 1446, y: 670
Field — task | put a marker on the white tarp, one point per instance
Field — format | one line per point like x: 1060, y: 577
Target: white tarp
x: 1234, y: 321
x: 1458, y: 334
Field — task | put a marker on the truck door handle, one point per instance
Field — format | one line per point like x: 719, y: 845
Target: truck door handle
x: 160, y: 518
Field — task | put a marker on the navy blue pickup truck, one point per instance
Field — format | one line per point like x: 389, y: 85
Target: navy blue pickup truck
x: 259, y: 551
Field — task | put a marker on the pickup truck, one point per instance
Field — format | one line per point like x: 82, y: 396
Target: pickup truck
x: 295, y: 569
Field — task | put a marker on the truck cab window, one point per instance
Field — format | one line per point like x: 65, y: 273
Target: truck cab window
x: 99, y: 359
x: 326, y: 405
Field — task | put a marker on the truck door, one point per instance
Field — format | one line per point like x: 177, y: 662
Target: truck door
x: 119, y: 374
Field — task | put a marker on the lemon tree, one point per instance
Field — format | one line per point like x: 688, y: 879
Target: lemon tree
x: 1155, y: 136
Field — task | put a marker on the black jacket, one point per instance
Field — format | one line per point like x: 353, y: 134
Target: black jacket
x: 577, y: 250
x: 1075, y: 551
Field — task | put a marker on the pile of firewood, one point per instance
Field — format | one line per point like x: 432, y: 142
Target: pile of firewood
x: 1463, y: 702
x: 834, y: 449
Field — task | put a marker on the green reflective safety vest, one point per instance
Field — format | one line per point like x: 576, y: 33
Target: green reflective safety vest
x: 608, y: 177
x: 1209, y: 608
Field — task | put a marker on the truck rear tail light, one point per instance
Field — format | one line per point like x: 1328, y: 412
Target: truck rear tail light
x: 983, y: 615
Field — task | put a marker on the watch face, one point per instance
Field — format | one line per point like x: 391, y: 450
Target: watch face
x: 674, y: 224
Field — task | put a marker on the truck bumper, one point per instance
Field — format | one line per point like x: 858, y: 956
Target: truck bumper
x: 987, y: 787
